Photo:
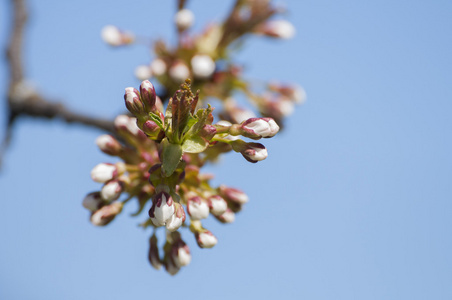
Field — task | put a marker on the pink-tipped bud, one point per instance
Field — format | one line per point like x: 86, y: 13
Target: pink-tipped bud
x: 148, y: 95
x: 127, y: 125
x: 112, y: 190
x: 104, y: 172
x: 177, y: 219
x: 133, y: 101
x: 179, y: 71
x: 153, y: 254
x: 227, y: 217
x: 158, y: 67
x: 217, y: 205
x: 113, y: 36
x: 208, y: 132
x: 92, y: 201
x: 254, y: 152
x: 180, y: 254
x: 202, y: 66
x: 278, y: 29
x: 206, y: 239
x: 108, y: 144
x: 162, y: 209
x: 151, y: 129
x: 293, y: 92
x: 106, y: 214
x: 259, y: 128
x: 234, y: 195
x: 184, y: 19
x: 197, y: 208
x: 170, y: 267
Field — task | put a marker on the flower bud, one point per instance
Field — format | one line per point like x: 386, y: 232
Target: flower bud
x: 148, y: 95
x: 208, y: 132
x: 162, y: 209
x: 170, y: 267
x: 234, y: 195
x: 92, y: 201
x: 106, y: 214
x: 184, y: 19
x: 128, y: 125
x: 177, y: 219
x: 115, y: 37
x: 278, y: 29
x: 153, y: 254
x: 217, y: 205
x: 151, y: 129
x: 180, y: 254
x: 259, y: 127
x: 104, y: 172
x: 158, y: 67
x: 112, y: 190
x: 227, y: 217
x: 203, y: 66
x: 254, y: 152
x: 179, y: 71
x: 205, y: 239
x: 143, y: 72
x: 197, y: 209
x: 294, y: 92
x: 108, y: 144
x: 133, y: 101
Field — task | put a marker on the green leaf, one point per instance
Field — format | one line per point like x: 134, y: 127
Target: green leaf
x: 194, y: 144
x: 156, y: 118
x: 171, y: 155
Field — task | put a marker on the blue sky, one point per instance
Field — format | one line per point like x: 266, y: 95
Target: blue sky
x: 353, y: 202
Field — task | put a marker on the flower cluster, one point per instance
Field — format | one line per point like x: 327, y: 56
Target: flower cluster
x: 162, y: 153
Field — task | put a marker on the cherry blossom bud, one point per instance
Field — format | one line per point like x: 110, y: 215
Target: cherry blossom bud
x: 180, y: 254
x: 162, y: 209
x: 279, y: 29
x: 133, y: 101
x: 184, y: 19
x: 158, y: 67
x: 203, y: 66
x: 92, y: 201
x: 293, y: 92
x: 106, y: 214
x: 254, y: 152
x: 177, y: 219
x: 234, y: 195
x: 197, y: 209
x: 237, y: 114
x: 179, y: 71
x: 143, y: 72
x: 217, y: 205
x: 227, y: 217
x: 170, y: 267
x: 148, y: 95
x: 115, y: 37
x: 104, y: 172
x: 153, y: 254
x: 259, y: 127
x: 108, y: 144
x: 112, y: 190
x: 207, y: 132
x: 125, y: 124
x: 206, y: 239
x: 151, y: 129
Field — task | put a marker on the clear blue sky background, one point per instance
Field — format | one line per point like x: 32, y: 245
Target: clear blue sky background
x: 354, y: 201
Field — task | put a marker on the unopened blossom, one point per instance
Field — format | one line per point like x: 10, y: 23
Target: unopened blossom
x: 162, y: 209
x: 279, y: 29
x: 180, y: 254
x: 108, y: 144
x: 203, y: 66
x: 179, y: 71
x: 128, y: 124
x: 171, y: 267
x: 197, y: 208
x: 227, y: 217
x: 254, y: 152
x: 217, y: 205
x: 133, y: 101
x: 153, y: 254
x: 112, y: 190
x: 92, y: 201
x: 113, y: 36
x: 259, y: 127
x: 143, y: 72
x: 234, y: 195
x: 104, y: 172
x: 158, y: 67
x: 177, y: 219
x: 184, y: 19
x: 106, y: 213
x: 206, y: 239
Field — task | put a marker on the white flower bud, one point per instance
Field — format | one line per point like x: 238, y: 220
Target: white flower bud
x: 111, y: 190
x: 184, y: 19
x: 203, y: 66
x: 255, y: 152
x: 106, y: 214
x: 217, y: 205
x: 115, y: 37
x: 127, y: 123
x: 104, y: 172
x: 92, y: 201
x: 162, y: 209
x: 197, y: 209
x: 177, y: 219
x: 158, y: 67
x: 179, y: 72
x: 227, y: 217
x: 108, y: 144
x: 143, y: 72
x: 263, y: 127
x: 280, y: 29
x: 234, y: 195
x: 206, y: 239
x: 180, y: 253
